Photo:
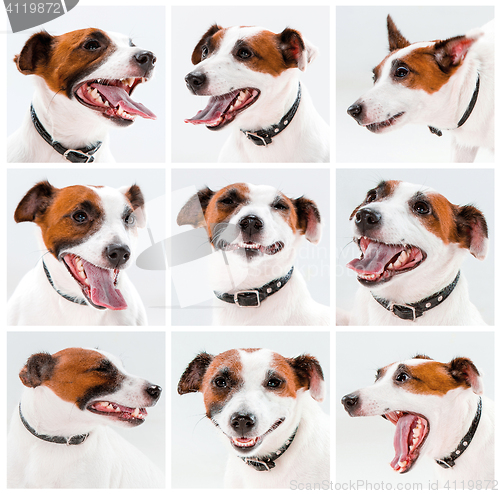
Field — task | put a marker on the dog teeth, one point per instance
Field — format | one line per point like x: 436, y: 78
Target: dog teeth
x: 402, y: 463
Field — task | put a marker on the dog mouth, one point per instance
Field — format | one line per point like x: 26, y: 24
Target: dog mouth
x: 133, y: 416
x: 98, y: 285
x: 380, y: 262
x: 247, y: 444
x: 251, y: 248
x: 223, y: 109
x: 381, y: 126
x: 411, y: 432
x: 111, y: 97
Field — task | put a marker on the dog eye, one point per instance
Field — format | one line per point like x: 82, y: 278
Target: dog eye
x: 280, y: 206
x: 204, y: 52
x: 402, y: 377
x: 220, y: 382
x: 244, y: 53
x: 421, y: 208
x: 401, y: 72
x: 129, y: 219
x: 274, y: 383
x: 227, y: 200
x: 105, y: 366
x: 91, y: 45
x: 80, y: 216
x: 371, y: 196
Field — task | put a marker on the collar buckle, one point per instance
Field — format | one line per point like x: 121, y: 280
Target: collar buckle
x: 445, y: 462
x: 403, y: 311
x: 249, y: 298
x: 255, y: 138
x: 78, y: 156
x: 259, y: 465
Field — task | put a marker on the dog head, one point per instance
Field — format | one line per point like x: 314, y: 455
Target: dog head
x: 91, y: 386
x: 411, y: 238
x: 98, y: 70
x: 253, y: 395
x: 420, y: 396
x: 410, y: 84
x: 245, y: 70
x: 91, y: 230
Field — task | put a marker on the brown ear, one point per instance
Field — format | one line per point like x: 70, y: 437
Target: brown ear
x: 309, y: 220
x: 136, y: 199
x: 472, y: 230
x: 296, y: 51
x: 450, y: 52
x: 191, y: 379
x: 309, y: 374
x: 192, y: 213
x: 205, y: 40
x: 37, y: 370
x: 396, y: 39
x: 35, y: 202
x: 465, y: 372
x: 35, y: 53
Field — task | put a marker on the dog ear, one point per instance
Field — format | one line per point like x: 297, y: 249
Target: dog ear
x: 193, y: 212
x: 308, y: 218
x: 464, y: 371
x: 297, y: 52
x: 205, y: 40
x: 136, y: 199
x: 35, y: 53
x: 191, y: 379
x: 37, y: 370
x: 396, y: 39
x: 35, y: 202
x: 309, y: 375
x: 472, y: 230
x: 450, y: 52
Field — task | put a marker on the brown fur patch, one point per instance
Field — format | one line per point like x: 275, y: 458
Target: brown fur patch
x: 382, y: 191
x: 284, y: 371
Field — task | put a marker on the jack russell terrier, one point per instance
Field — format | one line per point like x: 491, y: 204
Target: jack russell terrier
x: 252, y: 78
x: 60, y: 435
x: 90, y: 234
x: 256, y: 231
x: 438, y: 412
x: 413, y: 242
x: 447, y: 85
x: 266, y: 406
x: 84, y: 82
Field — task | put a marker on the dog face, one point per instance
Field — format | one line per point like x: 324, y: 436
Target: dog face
x: 253, y: 395
x: 98, y: 70
x: 92, y: 386
x: 244, y: 70
x: 420, y: 397
x: 410, y: 235
x: 410, y: 84
x: 91, y: 230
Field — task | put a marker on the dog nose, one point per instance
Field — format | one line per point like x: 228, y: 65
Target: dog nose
x: 146, y: 59
x: 367, y: 219
x: 242, y: 424
x: 350, y: 401
x: 355, y: 111
x: 154, y: 391
x: 117, y: 254
x: 195, y: 81
x: 251, y: 224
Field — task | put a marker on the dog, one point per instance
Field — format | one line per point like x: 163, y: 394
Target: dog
x: 84, y: 84
x: 252, y: 78
x: 435, y: 408
x: 413, y: 242
x: 256, y: 231
x: 265, y: 405
x: 447, y: 85
x: 90, y: 235
x: 60, y: 435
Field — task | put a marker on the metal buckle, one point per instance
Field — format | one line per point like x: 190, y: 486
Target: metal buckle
x: 446, y: 463
x: 413, y: 312
x: 88, y: 157
x: 249, y: 461
x: 256, y: 292
x: 253, y: 134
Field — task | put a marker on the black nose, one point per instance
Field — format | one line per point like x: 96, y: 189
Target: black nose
x: 251, y: 224
x: 242, y: 424
x: 355, y: 111
x: 154, y: 391
x: 145, y: 59
x: 367, y: 219
x: 117, y: 254
x: 350, y: 401
x: 195, y: 81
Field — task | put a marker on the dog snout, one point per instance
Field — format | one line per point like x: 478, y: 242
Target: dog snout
x: 251, y: 224
x: 154, y: 392
x: 350, y: 402
x: 356, y: 110
x: 367, y: 220
x: 195, y: 81
x: 146, y: 59
x: 117, y: 254
x: 242, y: 423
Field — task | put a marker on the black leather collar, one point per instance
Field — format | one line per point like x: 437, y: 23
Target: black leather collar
x: 467, y: 113
x: 82, y: 155
x: 69, y: 441
x: 75, y: 300
x: 449, y: 461
x: 265, y: 463
x: 412, y: 311
x: 254, y: 297
x: 264, y: 137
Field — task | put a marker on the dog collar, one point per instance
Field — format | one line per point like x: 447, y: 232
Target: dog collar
x: 75, y: 300
x: 263, y: 137
x: 265, y: 463
x: 69, y: 441
x: 412, y: 311
x: 82, y: 155
x: 253, y: 298
x: 449, y: 461
x: 467, y: 113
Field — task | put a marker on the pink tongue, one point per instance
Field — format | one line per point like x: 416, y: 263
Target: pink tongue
x: 102, y: 288
x: 401, y: 439
x: 118, y: 96
x: 375, y: 258
x: 215, y: 108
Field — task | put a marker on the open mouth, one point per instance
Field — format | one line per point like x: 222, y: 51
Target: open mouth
x: 379, y: 262
x: 98, y: 285
x: 112, y: 99
x: 134, y: 416
x: 381, y: 126
x: 411, y: 432
x: 247, y: 444
x: 222, y: 110
x: 251, y: 247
